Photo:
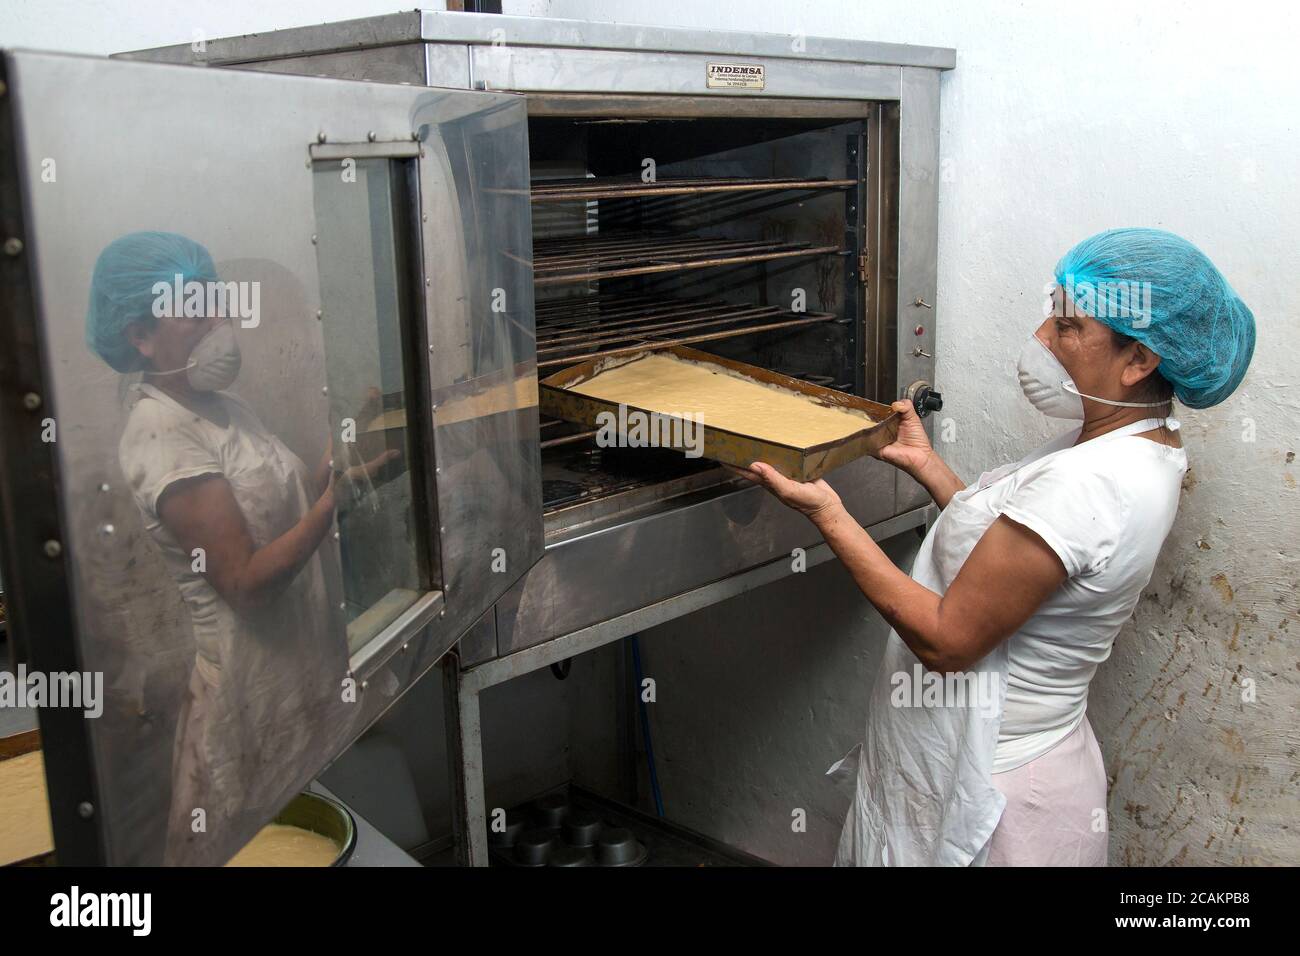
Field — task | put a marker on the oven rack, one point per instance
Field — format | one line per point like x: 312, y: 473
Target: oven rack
x: 618, y: 187
x: 577, y: 329
x: 558, y: 261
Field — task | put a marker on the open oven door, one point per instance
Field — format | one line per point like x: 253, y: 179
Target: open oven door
x: 251, y: 569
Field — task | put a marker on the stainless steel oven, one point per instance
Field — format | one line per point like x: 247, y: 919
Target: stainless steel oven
x: 436, y: 207
x: 771, y: 198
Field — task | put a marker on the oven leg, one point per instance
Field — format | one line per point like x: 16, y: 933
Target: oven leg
x: 465, y: 760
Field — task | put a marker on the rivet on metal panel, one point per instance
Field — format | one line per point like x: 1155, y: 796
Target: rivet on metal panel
x: 331, y: 464
x: 324, y: 389
x: 53, y: 549
x: 319, y: 313
x: 86, y: 809
x: 365, y: 684
x: 13, y: 246
x: 106, y: 530
x: 105, y: 487
x: 320, y: 137
x: 336, y: 535
x: 371, y: 136
x: 313, y: 239
x: 343, y: 605
x: 31, y: 401
x: 437, y: 471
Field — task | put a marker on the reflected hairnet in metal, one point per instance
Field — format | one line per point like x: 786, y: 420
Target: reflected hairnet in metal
x: 122, y: 288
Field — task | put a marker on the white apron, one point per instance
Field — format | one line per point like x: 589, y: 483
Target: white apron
x: 924, y: 794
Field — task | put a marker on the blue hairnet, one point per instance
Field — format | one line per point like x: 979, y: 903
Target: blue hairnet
x: 1202, y: 331
x: 121, y: 288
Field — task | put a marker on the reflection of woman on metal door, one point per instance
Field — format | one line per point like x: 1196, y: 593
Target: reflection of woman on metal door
x: 239, y: 519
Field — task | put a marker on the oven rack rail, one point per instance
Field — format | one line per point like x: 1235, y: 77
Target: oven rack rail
x: 577, y: 329
x: 584, y: 189
x: 559, y: 261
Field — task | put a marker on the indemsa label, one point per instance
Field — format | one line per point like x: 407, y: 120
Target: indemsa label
x: 735, y: 76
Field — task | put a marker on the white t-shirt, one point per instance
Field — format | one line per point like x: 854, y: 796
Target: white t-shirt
x: 163, y: 443
x: 247, y: 725
x: 1105, y: 507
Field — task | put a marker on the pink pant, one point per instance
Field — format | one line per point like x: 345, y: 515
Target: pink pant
x: 1056, y: 807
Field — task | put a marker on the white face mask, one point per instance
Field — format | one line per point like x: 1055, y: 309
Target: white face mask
x: 214, y: 360
x: 1050, y: 389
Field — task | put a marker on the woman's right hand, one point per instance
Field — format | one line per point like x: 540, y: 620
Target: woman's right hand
x: 373, y: 466
x: 911, y: 450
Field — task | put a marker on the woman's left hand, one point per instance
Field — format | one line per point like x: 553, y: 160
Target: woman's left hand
x: 809, y: 498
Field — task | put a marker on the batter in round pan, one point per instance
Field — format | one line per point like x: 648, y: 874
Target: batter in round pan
x: 279, y: 845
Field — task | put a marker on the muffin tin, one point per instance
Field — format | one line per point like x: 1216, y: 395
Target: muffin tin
x: 551, y: 831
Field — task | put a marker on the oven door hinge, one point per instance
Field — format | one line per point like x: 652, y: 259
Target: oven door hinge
x: 864, y: 262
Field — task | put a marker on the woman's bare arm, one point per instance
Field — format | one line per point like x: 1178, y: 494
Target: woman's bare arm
x: 937, y: 478
x: 1007, y: 576
x: 202, y: 513
x: 912, y: 452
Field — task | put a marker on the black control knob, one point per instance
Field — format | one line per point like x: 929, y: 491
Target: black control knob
x: 927, y: 400
x: 924, y: 398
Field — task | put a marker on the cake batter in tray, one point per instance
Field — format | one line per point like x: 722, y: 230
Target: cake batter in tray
x: 732, y: 412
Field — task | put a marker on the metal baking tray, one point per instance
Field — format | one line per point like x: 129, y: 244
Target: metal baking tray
x: 732, y: 448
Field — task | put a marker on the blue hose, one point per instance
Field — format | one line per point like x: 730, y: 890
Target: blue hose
x: 645, y: 727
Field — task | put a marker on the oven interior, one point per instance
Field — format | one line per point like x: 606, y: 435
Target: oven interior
x: 738, y: 236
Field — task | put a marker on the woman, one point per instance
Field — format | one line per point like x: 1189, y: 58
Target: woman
x: 240, y: 521
x: 1027, y: 575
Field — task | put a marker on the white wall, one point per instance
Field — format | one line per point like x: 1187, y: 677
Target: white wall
x: 1056, y: 125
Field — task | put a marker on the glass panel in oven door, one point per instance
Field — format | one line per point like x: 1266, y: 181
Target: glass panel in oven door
x: 364, y: 231
x: 190, y: 526
x: 475, y: 216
